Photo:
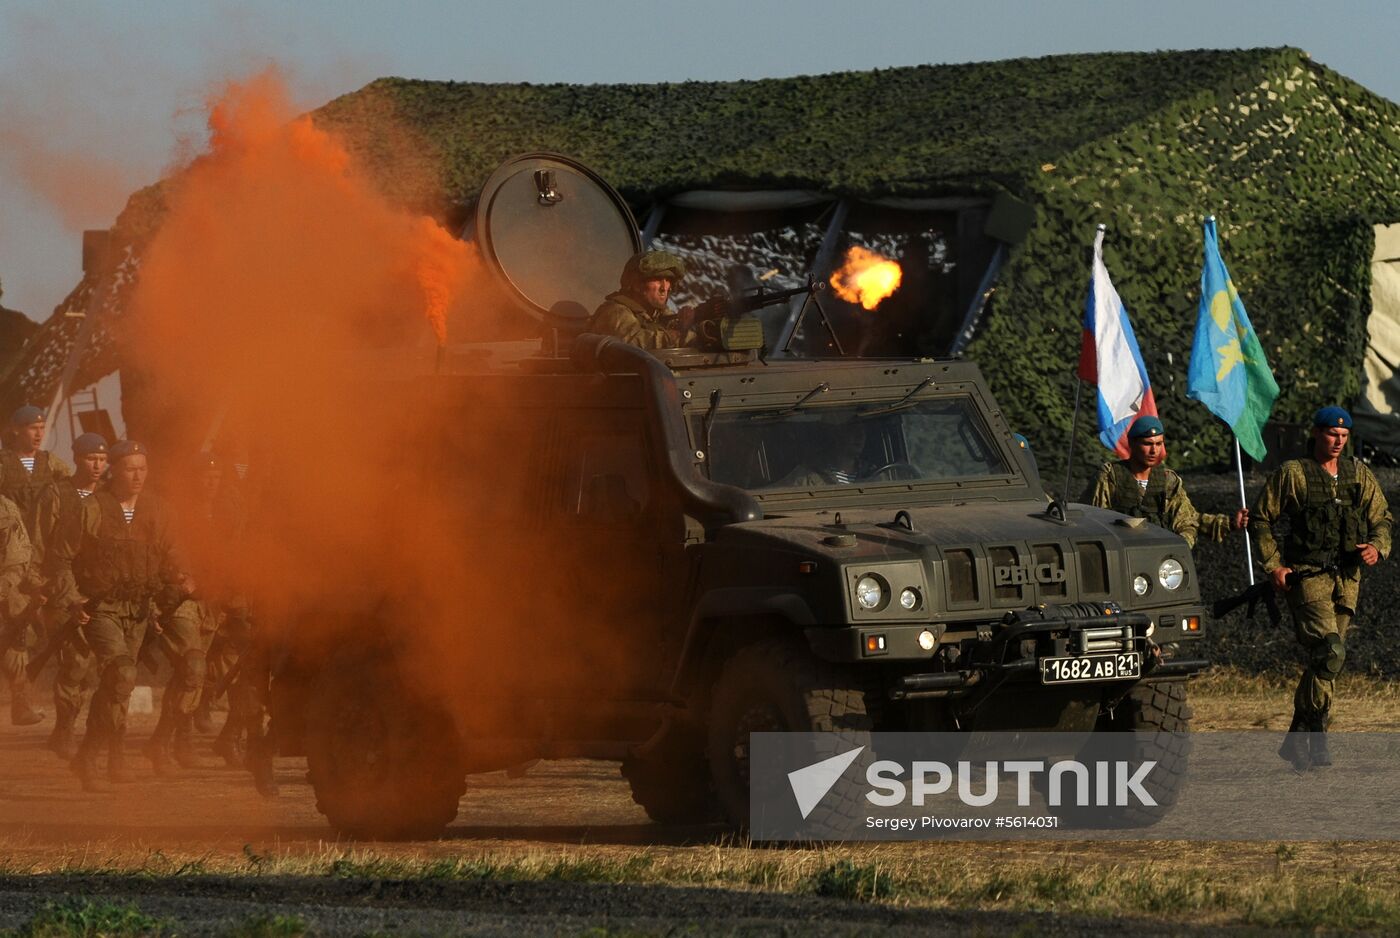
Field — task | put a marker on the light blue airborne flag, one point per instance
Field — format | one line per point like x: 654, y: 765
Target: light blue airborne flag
x: 1228, y: 371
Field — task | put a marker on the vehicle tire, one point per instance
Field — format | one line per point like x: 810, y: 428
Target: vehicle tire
x: 780, y: 686
x: 1159, y: 718
x: 385, y: 764
x: 671, y: 782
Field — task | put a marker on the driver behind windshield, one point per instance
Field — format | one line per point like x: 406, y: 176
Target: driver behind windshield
x: 832, y: 454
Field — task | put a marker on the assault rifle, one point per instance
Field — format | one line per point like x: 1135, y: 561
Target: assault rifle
x: 57, y: 639
x: 1264, y: 592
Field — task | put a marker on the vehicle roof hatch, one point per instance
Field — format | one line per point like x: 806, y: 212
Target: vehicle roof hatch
x: 556, y: 235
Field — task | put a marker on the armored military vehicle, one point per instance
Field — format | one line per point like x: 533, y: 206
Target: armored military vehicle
x: 690, y: 546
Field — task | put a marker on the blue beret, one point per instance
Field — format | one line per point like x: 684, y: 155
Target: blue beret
x: 1332, y: 417
x: 1146, y: 425
x: 26, y: 415
x: 1021, y: 441
x: 123, y: 448
x: 87, y: 444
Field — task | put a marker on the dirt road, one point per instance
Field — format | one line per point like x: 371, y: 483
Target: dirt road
x: 211, y: 822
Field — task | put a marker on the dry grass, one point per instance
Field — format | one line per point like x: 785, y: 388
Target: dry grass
x: 1227, y: 699
x: 1335, y: 886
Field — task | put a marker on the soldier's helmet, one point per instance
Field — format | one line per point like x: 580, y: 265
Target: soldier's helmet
x: 649, y: 264
x: 89, y: 443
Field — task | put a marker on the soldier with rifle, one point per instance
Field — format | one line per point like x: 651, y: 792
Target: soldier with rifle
x: 126, y: 575
x: 1143, y: 487
x: 16, y: 558
x: 26, y: 473
x: 1338, y: 522
x: 61, y: 516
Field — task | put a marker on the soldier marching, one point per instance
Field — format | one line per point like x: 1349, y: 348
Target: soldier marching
x: 99, y: 576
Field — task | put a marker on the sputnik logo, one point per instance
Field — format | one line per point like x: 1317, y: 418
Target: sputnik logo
x: 811, y: 783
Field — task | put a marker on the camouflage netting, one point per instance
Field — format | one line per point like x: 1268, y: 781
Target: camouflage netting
x: 1297, y: 162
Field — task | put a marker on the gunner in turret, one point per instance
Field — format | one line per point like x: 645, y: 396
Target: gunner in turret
x: 639, y: 313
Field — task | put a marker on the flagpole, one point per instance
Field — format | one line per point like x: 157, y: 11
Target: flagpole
x: 1073, y: 432
x: 1248, y: 551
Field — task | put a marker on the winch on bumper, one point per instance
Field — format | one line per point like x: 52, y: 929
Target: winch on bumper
x: 1051, y: 644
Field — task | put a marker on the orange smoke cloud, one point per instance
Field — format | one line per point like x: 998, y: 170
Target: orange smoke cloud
x: 83, y: 188
x: 866, y: 278
x: 277, y: 260
x: 425, y: 520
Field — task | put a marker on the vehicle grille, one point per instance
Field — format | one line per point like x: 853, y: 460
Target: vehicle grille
x: 1054, y: 555
x: 1005, y: 557
x: 1093, y: 569
x: 962, y: 576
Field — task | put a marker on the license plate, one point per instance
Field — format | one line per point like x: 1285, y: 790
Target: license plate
x: 1073, y: 669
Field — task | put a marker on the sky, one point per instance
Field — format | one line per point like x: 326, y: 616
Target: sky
x: 100, y: 98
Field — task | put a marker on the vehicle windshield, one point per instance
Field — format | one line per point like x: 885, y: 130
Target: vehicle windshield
x: 939, y: 439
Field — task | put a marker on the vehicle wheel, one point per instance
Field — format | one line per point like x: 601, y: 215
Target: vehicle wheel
x: 384, y: 764
x: 671, y: 782
x: 1160, y: 719
x: 779, y: 686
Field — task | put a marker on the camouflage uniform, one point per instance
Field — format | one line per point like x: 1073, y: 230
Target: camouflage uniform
x: 212, y: 627
x: 1164, y: 502
x: 625, y: 315
x: 16, y: 557
x: 75, y: 659
x: 22, y: 627
x: 1327, y: 519
x: 124, y: 572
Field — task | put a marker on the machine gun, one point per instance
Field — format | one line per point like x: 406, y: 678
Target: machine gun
x: 741, y: 302
x: 724, y: 321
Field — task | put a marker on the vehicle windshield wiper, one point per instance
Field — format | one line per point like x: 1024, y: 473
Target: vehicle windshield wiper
x: 709, y: 421
x: 788, y: 412
x: 904, y: 402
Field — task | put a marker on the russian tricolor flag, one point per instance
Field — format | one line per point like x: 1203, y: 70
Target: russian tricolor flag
x: 1109, y: 358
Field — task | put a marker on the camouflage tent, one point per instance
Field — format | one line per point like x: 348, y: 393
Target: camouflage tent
x: 1298, y: 163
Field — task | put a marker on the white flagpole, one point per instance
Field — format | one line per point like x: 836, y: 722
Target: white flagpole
x: 1248, y: 551
x: 1073, y: 432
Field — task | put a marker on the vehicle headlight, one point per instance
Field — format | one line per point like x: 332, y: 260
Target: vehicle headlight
x: 909, y: 599
x: 1171, y: 573
x: 869, y: 592
x: 1141, y: 585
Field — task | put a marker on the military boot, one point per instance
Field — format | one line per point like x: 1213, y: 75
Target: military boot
x: 230, y: 746
x: 85, y: 763
x: 1295, y: 745
x: 1317, y: 741
x: 160, y: 747
x: 63, y: 740
x: 183, y: 748
x: 117, y: 770
x: 203, y: 718
x: 22, y: 712
x: 260, y: 764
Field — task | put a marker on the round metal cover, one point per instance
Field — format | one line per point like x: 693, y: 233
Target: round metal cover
x: 555, y: 233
